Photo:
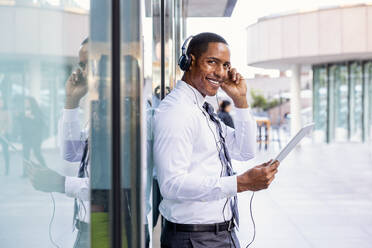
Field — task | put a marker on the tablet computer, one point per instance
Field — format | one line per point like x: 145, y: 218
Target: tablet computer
x: 293, y: 142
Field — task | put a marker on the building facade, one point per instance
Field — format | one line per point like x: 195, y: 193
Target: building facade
x: 133, y: 49
x: 336, y: 43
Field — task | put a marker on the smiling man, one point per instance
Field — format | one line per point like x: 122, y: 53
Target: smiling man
x: 193, y: 150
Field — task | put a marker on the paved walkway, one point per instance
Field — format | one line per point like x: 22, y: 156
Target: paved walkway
x: 321, y: 197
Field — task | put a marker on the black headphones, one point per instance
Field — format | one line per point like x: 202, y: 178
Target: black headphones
x: 184, y: 61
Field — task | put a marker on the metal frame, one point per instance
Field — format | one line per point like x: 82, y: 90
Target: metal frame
x: 116, y: 225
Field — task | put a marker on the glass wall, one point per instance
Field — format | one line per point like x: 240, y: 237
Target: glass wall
x: 39, y: 50
x: 341, y: 104
x: 320, y: 91
x: 356, y: 101
x: 72, y: 118
x: 368, y: 98
x: 342, y: 101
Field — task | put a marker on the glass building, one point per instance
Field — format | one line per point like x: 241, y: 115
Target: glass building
x: 124, y: 69
x: 342, y: 101
x: 322, y: 43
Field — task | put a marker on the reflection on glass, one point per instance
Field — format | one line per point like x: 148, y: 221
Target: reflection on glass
x: 341, y: 103
x: 33, y: 73
x: 356, y: 104
x: 320, y: 103
x: 133, y: 222
x: 368, y: 71
x: 100, y: 105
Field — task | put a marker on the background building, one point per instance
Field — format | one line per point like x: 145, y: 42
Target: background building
x: 335, y: 44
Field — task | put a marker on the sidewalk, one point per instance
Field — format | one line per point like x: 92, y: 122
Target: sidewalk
x: 321, y: 197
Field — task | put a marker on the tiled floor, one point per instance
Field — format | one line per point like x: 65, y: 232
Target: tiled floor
x: 321, y: 197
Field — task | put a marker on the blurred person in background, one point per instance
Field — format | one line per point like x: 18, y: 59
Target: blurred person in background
x: 5, y: 125
x: 32, y: 127
x: 224, y: 113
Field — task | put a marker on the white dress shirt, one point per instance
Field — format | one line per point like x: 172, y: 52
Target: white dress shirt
x: 72, y: 141
x: 186, y: 157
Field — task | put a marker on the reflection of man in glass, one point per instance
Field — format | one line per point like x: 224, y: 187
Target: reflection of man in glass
x: 74, y: 147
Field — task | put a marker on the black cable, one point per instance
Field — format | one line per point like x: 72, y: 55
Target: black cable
x: 250, y: 205
x: 254, y: 224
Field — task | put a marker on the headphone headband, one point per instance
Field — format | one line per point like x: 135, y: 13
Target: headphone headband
x: 184, y: 61
x: 184, y: 46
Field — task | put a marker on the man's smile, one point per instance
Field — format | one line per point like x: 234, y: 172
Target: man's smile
x: 213, y: 81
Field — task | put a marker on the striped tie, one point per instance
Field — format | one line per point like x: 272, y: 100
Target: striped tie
x: 224, y: 156
x: 81, y: 174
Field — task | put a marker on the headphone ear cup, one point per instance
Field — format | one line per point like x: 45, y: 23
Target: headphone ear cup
x: 187, y: 62
x: 184, y: 62
x: 181, y: 62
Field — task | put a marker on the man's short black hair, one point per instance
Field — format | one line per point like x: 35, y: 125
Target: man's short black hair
x: 199, y: 43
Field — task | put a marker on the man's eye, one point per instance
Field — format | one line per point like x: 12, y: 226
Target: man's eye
x: 211, y: 61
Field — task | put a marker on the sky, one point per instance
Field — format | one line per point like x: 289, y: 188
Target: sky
x: 246, y: 13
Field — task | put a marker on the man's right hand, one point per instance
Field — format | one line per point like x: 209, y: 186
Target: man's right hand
x: 76, y: 88
x: 258, y: 177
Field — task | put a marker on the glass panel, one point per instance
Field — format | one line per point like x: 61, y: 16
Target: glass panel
x: 356, y: 102
x: 100, y: 109
x: 320, y: 103
x: 341, y: 103
x: 368, y: 95
x: 39, y: 51
x: 331, y: 111
x: 133, y: 222
x: 149, y: 112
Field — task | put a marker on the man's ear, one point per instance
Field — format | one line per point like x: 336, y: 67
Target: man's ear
x: 193, y: 59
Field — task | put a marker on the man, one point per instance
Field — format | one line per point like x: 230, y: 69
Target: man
x: 192, y: 150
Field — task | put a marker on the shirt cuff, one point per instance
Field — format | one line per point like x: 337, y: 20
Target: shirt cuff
x: 72, y: 186
x: 229, y: 185
x: 243, y: 114
x: 70, y: 115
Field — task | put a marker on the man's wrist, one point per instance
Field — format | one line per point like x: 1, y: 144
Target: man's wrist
x: 241, y: 102
x: 239, y: 184
x: 71, y: 102
x: 62, y: 184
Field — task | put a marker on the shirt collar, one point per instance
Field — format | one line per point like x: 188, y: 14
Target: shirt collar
x: 193, y: 94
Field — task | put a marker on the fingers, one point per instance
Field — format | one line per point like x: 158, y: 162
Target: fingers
x: 264, y: 164
x: 233, y: 73
x: 273, y: 166
x: 235, y: 76
x: 270, y: 180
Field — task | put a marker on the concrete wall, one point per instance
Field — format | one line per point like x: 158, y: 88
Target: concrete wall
x: 329, y: 35
x: 38, y: 31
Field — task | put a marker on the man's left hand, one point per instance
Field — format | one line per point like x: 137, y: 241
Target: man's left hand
x: 236, y: 88
x: 45, y: 179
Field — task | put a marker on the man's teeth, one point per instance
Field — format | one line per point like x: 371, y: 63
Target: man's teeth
x: 213, y: 81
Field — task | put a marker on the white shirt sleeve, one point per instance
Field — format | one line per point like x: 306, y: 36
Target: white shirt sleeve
x: 71, y: 137
x: 173, y: 145
x: 241, y: 140
x: 72, y: 141
x: 76, y: 187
